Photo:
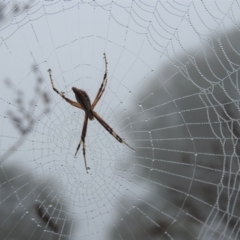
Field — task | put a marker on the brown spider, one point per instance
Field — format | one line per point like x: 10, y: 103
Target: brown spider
x: 84, y: 103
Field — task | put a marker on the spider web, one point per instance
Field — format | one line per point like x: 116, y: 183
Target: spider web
x: 172, y: 93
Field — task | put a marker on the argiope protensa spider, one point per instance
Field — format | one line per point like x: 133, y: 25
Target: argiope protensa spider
x: 84, y: 103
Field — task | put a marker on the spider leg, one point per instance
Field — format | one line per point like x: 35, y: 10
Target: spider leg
x: 75, y: 104
x: 103, y: 85
x: 84, y: 132
x: 110, y: 130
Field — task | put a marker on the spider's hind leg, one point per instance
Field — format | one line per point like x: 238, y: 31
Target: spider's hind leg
x: 84, y: 131
x: 78, y: 148
x: 84, y: 154
x: 110, y: 130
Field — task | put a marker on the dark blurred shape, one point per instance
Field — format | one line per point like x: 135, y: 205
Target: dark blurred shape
x: 10, y: 9
x: 47, y: 219
x: 31, y: 207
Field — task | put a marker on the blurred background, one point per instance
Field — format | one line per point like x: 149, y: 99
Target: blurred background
x: 172, y: 94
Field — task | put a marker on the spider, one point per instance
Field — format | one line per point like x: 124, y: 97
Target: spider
x: 84, y: 103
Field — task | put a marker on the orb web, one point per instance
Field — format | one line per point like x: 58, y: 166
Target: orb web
x: 172, y: 94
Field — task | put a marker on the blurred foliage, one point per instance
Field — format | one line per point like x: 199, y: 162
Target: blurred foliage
x: 24, y: 120
x: 12, y: 8
x: 30, y: 207
x: 189, y: 194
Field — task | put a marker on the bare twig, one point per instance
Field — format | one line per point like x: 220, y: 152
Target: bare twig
x: 26, y: 115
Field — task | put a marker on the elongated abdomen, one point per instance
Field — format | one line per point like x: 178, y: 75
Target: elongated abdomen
x: 84, y: 100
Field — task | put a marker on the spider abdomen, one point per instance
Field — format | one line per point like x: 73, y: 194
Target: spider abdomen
x: 84, y: 100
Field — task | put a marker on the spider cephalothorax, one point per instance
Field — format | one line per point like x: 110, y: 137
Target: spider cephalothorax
x: 84, y: 103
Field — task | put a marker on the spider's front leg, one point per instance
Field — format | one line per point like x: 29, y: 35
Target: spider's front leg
x: 103, y: 84
x: 75, y: 104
